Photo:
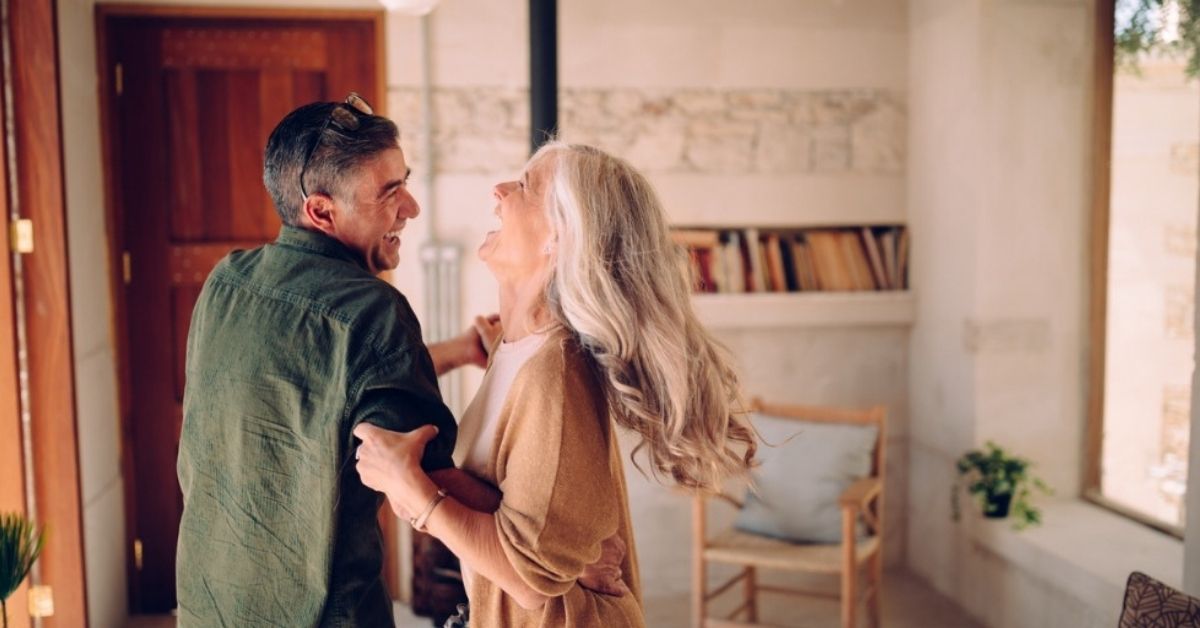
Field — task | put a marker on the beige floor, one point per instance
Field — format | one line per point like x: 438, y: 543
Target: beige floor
x: 907, y: 603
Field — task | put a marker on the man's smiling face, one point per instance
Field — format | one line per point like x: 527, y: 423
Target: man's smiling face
x: 371, y: 219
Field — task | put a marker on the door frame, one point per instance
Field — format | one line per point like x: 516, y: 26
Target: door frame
x: 53, y: 436
x: 114, y: 218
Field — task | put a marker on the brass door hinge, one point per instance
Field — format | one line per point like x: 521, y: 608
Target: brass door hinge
x: 41, y: 601
x: 126, y: 268
x: 21, y: 235
x: 137, y: 554
x: 119, y: 78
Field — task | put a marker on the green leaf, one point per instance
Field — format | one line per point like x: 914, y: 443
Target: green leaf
x: 994, y: 472
x: 1140, y: 29
x: 20, y: 545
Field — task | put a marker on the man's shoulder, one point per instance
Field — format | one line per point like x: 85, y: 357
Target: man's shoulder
x: 377, y: 313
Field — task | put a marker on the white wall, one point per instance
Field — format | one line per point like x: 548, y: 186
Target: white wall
x: 1000, y: 105
x: 92, y: 320
x: 734, y: 74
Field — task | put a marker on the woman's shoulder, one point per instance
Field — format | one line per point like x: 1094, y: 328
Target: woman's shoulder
x: 561, y: 362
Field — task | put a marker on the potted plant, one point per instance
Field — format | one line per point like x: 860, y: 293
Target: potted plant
x: 20, y: 544
x: 1000, y: 482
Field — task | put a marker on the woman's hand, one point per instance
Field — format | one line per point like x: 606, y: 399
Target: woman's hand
x: 604, y: 575
x: 390, y: 462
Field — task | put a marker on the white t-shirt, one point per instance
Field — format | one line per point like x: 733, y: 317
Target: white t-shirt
x: 477, y: 427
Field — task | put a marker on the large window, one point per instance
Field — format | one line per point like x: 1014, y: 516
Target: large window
x: 1140, y: 450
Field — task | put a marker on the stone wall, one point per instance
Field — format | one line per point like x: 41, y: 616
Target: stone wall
x: 765, y: 131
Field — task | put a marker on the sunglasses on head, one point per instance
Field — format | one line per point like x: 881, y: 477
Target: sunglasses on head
x: 345, y: 119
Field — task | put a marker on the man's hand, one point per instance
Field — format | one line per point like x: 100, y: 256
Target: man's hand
x: 604, y: 575
x: 489, y: 329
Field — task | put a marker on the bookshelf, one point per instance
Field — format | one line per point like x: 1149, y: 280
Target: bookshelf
x: 832, y: 274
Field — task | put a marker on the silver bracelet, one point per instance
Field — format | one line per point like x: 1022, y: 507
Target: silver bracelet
x: 418, y: 522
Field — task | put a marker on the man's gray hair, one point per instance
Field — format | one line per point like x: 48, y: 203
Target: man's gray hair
x: 338, y: 154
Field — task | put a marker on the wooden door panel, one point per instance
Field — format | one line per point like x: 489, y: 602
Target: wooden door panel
x: 201, y: 98
x: 183, y: 147
x: 232, y: 47
x: 252, y: 215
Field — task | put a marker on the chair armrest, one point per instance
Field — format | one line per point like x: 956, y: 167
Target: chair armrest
x: 859, y: 494
x: 722, y: 496
x: 729, y: 500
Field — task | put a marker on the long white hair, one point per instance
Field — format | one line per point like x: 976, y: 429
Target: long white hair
x: 621, y: 285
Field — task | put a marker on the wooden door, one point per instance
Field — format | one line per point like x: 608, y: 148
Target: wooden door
x: 193, y: 101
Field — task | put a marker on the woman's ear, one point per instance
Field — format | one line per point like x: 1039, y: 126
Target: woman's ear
x: 319, y: 211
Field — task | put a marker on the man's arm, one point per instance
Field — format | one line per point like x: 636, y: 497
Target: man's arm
x: 469, y: 347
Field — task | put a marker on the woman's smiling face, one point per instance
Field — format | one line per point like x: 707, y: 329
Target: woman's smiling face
x: 520, y: 246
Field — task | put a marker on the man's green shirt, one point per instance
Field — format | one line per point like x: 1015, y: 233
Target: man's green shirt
x: 291, y: 345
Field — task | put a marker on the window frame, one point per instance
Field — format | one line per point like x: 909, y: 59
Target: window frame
x: 1102, y: 119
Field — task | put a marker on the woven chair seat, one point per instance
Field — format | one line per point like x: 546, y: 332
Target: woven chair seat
x: 733, y: 546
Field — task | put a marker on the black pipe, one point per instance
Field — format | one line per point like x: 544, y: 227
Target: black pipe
x: 543, y: 71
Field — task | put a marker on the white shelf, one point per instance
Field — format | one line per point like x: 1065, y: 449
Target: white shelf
x: 805, y: 309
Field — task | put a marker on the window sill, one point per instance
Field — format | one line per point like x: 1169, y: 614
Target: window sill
x: 1085, y: 550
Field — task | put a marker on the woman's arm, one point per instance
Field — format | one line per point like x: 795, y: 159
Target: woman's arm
x: 469, y: 490
x: 472, y: 536
x: 390, y: 462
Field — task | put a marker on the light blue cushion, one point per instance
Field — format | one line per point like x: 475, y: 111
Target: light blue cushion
x: 801, y: 479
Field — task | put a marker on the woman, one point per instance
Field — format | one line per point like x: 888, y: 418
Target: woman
x: 597, y: 328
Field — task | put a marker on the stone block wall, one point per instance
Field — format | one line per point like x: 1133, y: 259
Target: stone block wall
x: 706, y: 131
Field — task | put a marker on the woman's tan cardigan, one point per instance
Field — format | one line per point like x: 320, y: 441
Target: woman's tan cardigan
x: 556, y: 460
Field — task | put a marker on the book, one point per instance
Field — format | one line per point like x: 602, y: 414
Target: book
x: 877, y: 270
x: 703, y: 261
x: 828, y: 260
x: 774, y: 258
x: 720, y: 268
x: 856, y: 260
x: 786, y: 255
x: 734, y: 268
x: 902, y: 260
x: 805, y: 273
x: 887, y: 242
x: 756, y: 280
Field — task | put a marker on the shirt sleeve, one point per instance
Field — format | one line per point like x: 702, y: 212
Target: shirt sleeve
x: 400, y: 393
x: 560, y: 496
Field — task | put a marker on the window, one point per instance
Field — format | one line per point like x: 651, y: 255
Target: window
x: 1145, y: 274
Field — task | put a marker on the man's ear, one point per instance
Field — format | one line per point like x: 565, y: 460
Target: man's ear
x: 320, y: 212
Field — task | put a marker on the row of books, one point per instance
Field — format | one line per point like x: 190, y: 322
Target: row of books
x: 797, y: 260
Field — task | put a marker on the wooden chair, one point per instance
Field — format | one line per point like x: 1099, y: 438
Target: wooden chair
x: 862, y: 502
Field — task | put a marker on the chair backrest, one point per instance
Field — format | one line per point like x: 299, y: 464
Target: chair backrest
x: 1152, y: 604
x: 875, y: 415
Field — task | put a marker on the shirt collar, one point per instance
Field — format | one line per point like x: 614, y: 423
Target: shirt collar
x: 318, y: 243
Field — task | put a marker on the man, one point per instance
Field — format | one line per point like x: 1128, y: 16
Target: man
x: 291, y: 345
